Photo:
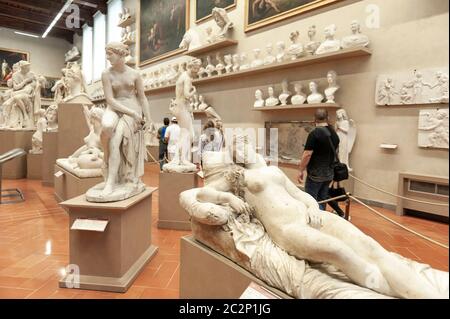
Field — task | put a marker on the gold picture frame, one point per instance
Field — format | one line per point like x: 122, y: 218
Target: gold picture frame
x: 11, y: 60
x: 206, y: 18
x: 310, y: 6
x: 163, y: 56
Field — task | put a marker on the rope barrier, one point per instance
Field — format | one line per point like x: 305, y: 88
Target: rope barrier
x: 396, y: 195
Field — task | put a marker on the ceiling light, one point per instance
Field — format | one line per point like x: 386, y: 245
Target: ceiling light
x: 58, y: 16
x: 27, y: 34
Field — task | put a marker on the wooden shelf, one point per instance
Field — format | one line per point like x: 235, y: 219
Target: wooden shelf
x: 126, y: 22
x: 296, y: 107
x: 313, y: 59
x: 129, y: 42
x: 211, y: 47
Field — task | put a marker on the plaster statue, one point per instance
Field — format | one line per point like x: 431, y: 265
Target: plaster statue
x: 330, y: 44
x: 346, y: 130
x: 434, y: 129
x: 195, y: 101
x: 128, y: 36
x: 417, y: 85
x: 245, y: 200
x: 285, y: 94
x: 314, y: 97
x: 299, y: 97
x: 244, y: 65
x: 228, y: 63
x: 51, y: 114
x: 179, y: 107
x: 74, y: 85
x: 356, y: 39
x: 202, y: 71
x: 220, y: 66
x: 281, y: 48
x: 220, y: 16
x: 259, y: 102
x: 191, y: 40
x: 36, y: 139
x: 210, y: 68
x: 257, y: 61
x: 405, y: 95
x: 272, y: 100
x: 332, y: 88
x: 126, y: 118
x: 236, y: 62
x: 295, y: 50
x: 73, y: 54
x: 124, y: 15
x: 208, y: 109
x: 442, y: 88
x: 269, y: 59
x: 210, y: 37
x: 386, y: 92
x: 312, y: 45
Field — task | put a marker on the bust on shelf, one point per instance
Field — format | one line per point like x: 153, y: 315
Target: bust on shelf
x: 312, y: 45
x: 332, y: 86
x: 228, y: 63
x: 269, y: 59
x: 236, y: 62
x: 315, y: 97
x: 259, y: 102
x: 330, y: 44
x: 257, y: 61
x: 210, y: 37
x: 281, y: 49
x: 299, y: 97
x: 356, y: 39
x: 220, y: 66
x: 244, y: 62
x: 51, y: 114
x: 285, y: 94
x: 210, y: 68
x: 220, y: 16
x: 295, y: 50
x: 272, y: 100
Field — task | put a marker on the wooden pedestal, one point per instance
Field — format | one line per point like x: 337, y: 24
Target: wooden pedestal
x: 72, y: 128
x: 49, y: 156
x: 68, y: 186
x: 16, y: 168
x: 111, y: 259
x: 205, y: 274
x: 34, y: 166
x: 171, y: 214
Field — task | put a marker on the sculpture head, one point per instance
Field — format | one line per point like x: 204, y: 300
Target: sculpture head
x: 218, y: 57
x: 258, y: 94
x: 311, y: 32
x: 269, y: 48
x: 208, y: 59
x: 201, y: 98
x: 51, y: 114
x: 331, y: 77
x: 193, y: 66
x: 285, y: 85
x: 298, y: 88
x: 341, y: 114
x: 220, y: 16
x: 209, y: 31
x: 244, y: 57
x: 256, y: 53
x: 116, y: 52
x: 281, y: 46
x: 236, y: 59
x: 228, y: 59
x: 294, y: 36
x: 271, y: 91
x: 355, y: 27
x: 96, y: 116
x: 9, y: 83
x: 24, y: 66
x: 313, y: 87
x: 330, y: 31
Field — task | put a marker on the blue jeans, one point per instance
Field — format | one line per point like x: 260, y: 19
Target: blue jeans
x: 318, y: 190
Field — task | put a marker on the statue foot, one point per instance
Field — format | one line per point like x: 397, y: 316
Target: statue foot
x: 107, y: 190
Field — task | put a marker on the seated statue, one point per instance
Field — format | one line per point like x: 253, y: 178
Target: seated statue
x: 279, y: 234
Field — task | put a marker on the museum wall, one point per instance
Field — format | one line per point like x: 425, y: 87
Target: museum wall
x: 410, y: 36
x: 46, y: 55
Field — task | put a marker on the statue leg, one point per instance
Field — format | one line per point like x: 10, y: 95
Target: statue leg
x: 113, y: 160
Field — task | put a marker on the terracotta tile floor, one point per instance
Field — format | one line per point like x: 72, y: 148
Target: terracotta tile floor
x: 26, y: 229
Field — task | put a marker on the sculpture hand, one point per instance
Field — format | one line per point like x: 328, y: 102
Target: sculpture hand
x: 136, y: 116
x: 239, y: 205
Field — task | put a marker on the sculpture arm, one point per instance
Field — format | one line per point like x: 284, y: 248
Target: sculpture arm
x: 87, y: 117
x: 143, y: 99
x: 20, y: 85
x: 301, y: 196
x: 211, y: 195
x: 111, y: 101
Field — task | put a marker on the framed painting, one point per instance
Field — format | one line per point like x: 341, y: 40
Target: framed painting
x: 259, y: 13
x: 203, y: 8
x: 162, y: 25
x: 291, y: 140
x: 46, y: 90
x: 8, y: 57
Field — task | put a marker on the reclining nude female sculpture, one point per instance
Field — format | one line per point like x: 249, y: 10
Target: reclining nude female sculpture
x: 123, y: 129
x: 282, y: 237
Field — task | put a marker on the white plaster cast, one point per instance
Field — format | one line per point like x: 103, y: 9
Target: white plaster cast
x: 210, y: 37
x: 285, y: 93
x: 220, y: 66
x: 128, y: 35
x: 269, y: 58
x: 346, y: 130
x: 36, y: 139
x: 191, y: 40
x: 314, y: 97
x: 332, y: 88
x: 73, y: 54
x: 257, y: 61
x: 421, y: 86
x: 222, y: 20
x: 312, y: 45
x: 236, y: 62
x: 433, y: 128
x: 299, y: 97
x: 208, y: 109
x: 124, y: 15
x: 228, y: 63
x: 271, y: 100
x: 281, y: 51
x: 356, y: 39
x: 210, y: 68
x: 124, y: 122
x: 244, y: 65
x: 51, y: 114
x: 259, y: 100
x: 295, y: 50
x: 330, y: 44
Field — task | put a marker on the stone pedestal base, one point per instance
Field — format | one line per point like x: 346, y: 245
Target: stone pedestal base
x: 49, y: 156
x: 72, y: 128
x: 111, y: 259
x: 34, y: 166
x: 171, y: 214
x: 16, y: 168
x: 205, y: 274
x: 68, y: 186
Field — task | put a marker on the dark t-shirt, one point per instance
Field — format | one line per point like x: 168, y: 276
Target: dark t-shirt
x: 320, y: 168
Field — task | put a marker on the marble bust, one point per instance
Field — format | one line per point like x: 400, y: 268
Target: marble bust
x: 222, y: 20
x: 332, y: 86
x: 269, y: 59
x: 210, y: 68
x: 330, y: 44
x: 272, y: 100
x: 51, y: 114
x: 314, y: 97
x: 228, y: 63
x: 259, y: 102
x: 41, y: 127
x: 257, y: 61
x: 244, y: 62
x: 236, y: 62
x: 295, y: 50
x: 356, y: 39
x: 210, y: 38
x: 312, y: 45
x: 281, y: 49
x: 220, y: 66
x: 299, y: 97
x: 285, y: 94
